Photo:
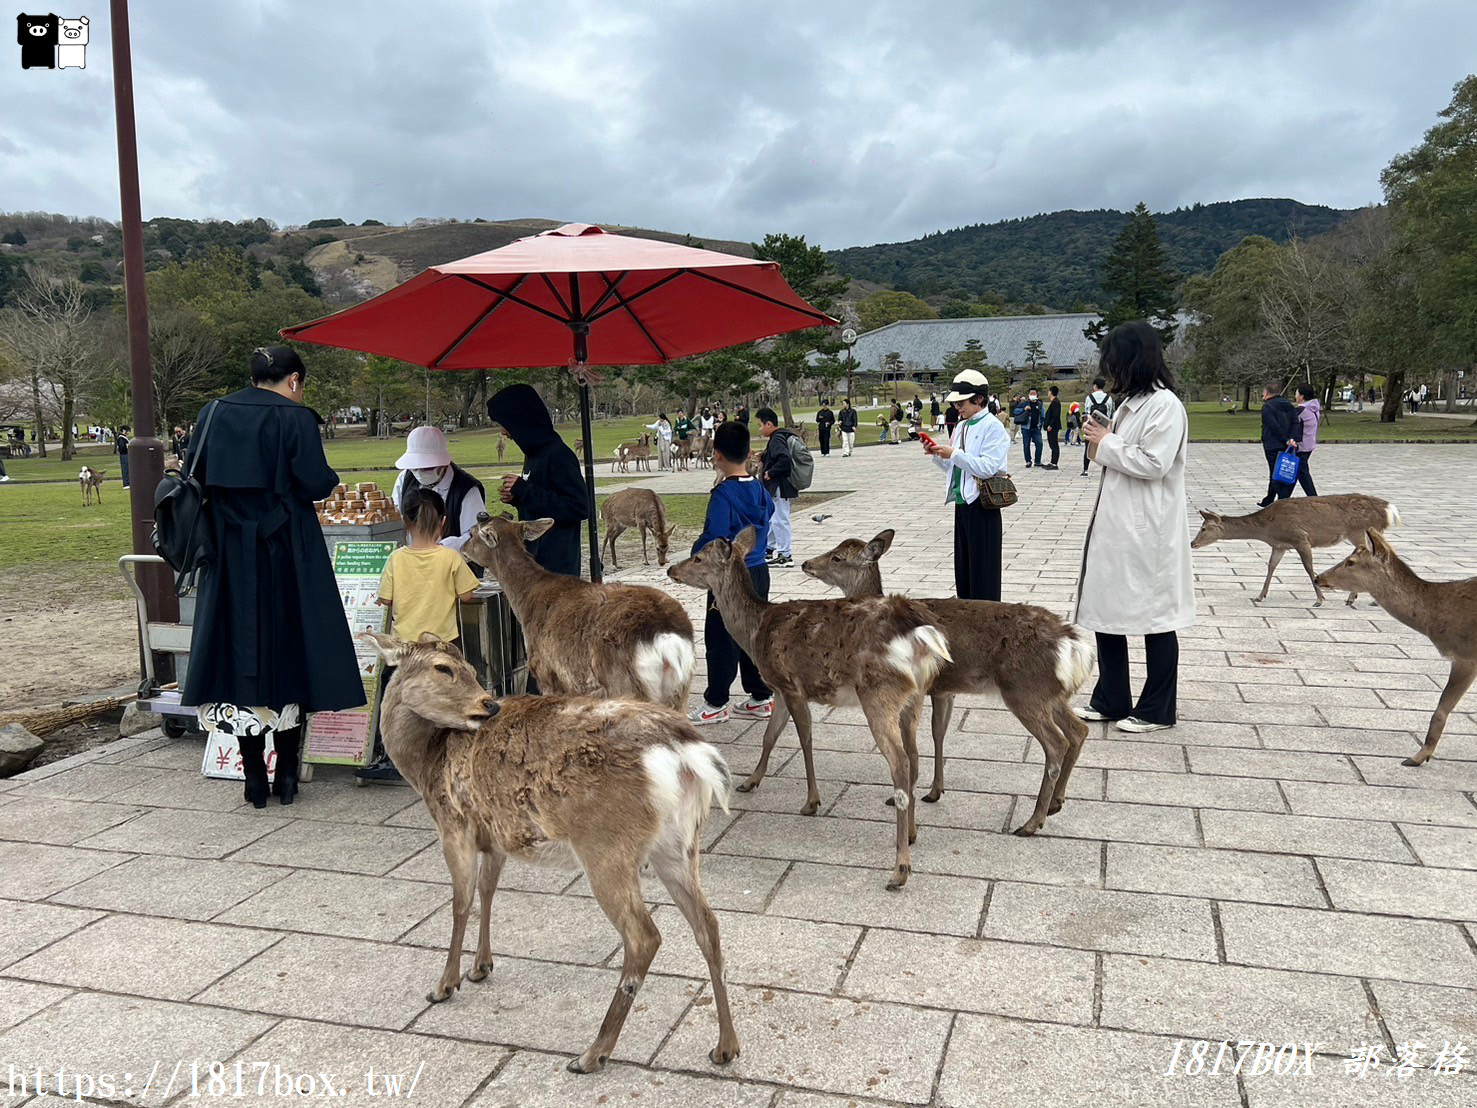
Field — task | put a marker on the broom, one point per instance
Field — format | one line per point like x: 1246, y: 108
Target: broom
x: 43, y: 721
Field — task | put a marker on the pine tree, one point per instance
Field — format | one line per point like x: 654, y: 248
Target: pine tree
x: 973, y: 356
x: 1138, y: 280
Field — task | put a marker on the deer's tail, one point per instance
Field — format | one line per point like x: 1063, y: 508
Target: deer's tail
x: 683, y: 780
x: 664, y: 668
x: 1075, y: 655
x: 1392, y: 516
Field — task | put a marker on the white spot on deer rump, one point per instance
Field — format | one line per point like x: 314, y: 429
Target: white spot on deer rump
x: 1074, y: 659
x: 664, y: 665
x: 1392, y: 516
x: 919, y: 653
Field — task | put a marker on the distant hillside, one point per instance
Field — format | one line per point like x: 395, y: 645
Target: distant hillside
x: 1054, y: 258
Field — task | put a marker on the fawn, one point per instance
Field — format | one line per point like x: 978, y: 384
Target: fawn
x: 640, y: 508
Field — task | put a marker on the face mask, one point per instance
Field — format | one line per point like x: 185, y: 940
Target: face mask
x: 428, y: 477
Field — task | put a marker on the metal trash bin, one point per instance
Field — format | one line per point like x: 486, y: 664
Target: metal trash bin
x: 492, y: 641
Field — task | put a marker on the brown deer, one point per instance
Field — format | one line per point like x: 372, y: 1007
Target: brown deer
x: 1302, y: 525
x: 881, y: 652
x: 682, y: 452
x: 91, y: 481
x: 605, y: 786
x: 586, y: 639
x: 1028, y: 656
x: 1444, y: 611
x: 639, y: 508
x: 502, y: 444
x: 704, y: 449
x: 637, y: 451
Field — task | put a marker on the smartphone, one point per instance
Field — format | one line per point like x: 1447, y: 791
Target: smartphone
x: 926, y: 437
x: 1100, y: 419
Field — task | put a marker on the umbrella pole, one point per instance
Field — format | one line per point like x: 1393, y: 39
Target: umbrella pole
x: 596, y: 571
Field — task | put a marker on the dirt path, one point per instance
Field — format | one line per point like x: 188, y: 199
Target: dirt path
x: 57, y: 646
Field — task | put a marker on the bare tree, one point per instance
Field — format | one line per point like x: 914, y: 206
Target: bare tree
x: 185, y: 355
x: 1309, y: 311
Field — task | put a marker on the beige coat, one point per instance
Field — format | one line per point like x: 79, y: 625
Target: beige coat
x: 1136, y: 575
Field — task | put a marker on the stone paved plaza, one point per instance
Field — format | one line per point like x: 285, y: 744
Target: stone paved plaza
x: 1266, y: 871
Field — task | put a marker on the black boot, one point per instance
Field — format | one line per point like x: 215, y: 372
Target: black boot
x: 284, y: 781
x: 254, y: 768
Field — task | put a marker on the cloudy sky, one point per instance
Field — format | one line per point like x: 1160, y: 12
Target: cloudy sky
x: 848, y: 121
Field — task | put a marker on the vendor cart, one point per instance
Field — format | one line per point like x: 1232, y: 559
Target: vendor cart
x: 161, y: 638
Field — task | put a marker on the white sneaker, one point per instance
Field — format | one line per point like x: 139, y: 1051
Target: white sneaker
x: 1093, y: 717
x: 1140, y: 726
x: 4, y: 479
x: 704, y: 716
x: 755, y: 709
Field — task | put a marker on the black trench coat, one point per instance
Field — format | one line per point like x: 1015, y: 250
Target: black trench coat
x: 269, y: 625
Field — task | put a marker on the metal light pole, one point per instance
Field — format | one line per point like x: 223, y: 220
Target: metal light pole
x: 145, y: 449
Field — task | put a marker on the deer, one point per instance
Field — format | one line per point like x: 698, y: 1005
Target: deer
x: 603, y: 786
x: 682, y: 452
x: 640, y: 508
x: 586, y: 639
x: 1444, y: 611
x: 502, y: 444
x: 1301, y: 525
x: 1027, y: 655
x: 91, y: 481
x: 637, y: 451
x: 880, y: 652
x: 705, y: 451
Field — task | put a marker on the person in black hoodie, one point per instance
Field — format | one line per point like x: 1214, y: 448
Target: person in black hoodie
x: 551, y: 486
x: 824, y: 419
x: 1278, y: 417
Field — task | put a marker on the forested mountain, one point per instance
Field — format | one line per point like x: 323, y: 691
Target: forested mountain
x: 1055, y: 259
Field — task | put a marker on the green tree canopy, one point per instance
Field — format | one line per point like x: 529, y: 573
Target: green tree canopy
x: 1138, y: 279
x: 882, y: 308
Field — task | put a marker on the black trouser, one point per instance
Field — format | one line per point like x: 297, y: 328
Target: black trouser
x: 725, y: 659
x: 1305, y: 475
x: 1056, y: 449
x: 825, y: 439
x: 1112, y: 696
x: 977, y: 540
x: 1276, y: 490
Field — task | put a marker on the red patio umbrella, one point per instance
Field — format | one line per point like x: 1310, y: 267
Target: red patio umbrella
x: 573, y: 295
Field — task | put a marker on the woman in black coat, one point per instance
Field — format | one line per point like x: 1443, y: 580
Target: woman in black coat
x: 551, y: 485
x: 271, y: 644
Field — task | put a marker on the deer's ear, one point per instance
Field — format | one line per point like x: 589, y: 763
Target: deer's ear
x: 1382, y: 550
x: 1207, y: 516
x: 536, y: 529
x: 389, y: 648
x: 745, y: 540
x: 880, y: 545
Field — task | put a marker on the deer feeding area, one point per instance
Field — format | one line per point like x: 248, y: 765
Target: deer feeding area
x: 1260, y: 906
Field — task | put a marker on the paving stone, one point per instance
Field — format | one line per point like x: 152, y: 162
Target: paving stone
x: 1112, y: 753
x: 40, y: 819
x: 1098, y: 919
x: 544, y: 1006
x: 1413, y: 720
x: 179, y: 754
x: 1330, y: 1084
x: 1195, y: 1000
x: 1276, y: 764
x: 1427, y: 1013
x: 785, y: 795
x: 95, y: 1034
x: 979, y: 854
x: 1339, y: 740
x: 348, y: 981
x: 529, y: 925
x: 1376, y: 802
x: 1002, y: 1063
x: 760, y: 950
x: 1194, y: 790
x: 1401, y: 890
x: 1442, y: 773
x: 160, y: 958
x: 26, y: 928
x: 429, y: 864
x: 19, y: 1000
x: 1221, y: 874
x: 842, y: 894
x: 335, y: 801
x: 828, y: 1044
x: 344, y: 904
x: 728, y: 881
x: 88, y: 782
x: 1201, y: 733
x: 181, y: 888
x: 973, y: 811
x: 1454, y: 847
x: 1347, y: 838
x: 1118, y: 822
x: 533, y: 1080
x: 1287, y: 714
x: 183, y: 789
x: 352, y: 847
x: 1018, y: 778
x: 35, y: 871
x: 1347, y: 943
x: 185, y: 833
x: 810, y: 839
x: 970, y: 975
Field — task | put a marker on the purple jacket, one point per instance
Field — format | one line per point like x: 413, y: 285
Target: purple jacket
x: 1306, y: 428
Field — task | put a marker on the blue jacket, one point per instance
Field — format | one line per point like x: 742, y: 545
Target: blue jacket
x: 738, y: 502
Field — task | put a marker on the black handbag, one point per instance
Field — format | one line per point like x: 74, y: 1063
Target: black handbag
x: 997, y: 492
x: 181, y: 533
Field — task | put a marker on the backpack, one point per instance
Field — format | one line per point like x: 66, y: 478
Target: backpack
x: 181, y: 534
x: 1104, y: 405
x: 802, y: 465
x: 1018, y: 415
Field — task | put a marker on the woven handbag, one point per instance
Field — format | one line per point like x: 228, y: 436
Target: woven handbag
x: 997, y: 492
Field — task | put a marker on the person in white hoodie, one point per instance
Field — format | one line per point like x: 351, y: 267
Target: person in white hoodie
x: 1101, y: 401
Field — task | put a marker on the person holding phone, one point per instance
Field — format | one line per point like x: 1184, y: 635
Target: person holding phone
x: 977, y: 450
x: 1136, y: 576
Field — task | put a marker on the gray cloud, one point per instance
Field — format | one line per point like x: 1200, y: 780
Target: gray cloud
x: 851, y: 122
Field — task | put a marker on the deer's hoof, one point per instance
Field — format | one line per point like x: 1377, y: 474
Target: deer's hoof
x: 440, y: 994
x: 811, y: 808
x: 722, y: 1055
x: 1054, y: 807
x: 586, y: 1065
x: 890, y: 802
x: 1257, y: 599
x: 1025, y: 830
x: 1414, y: 760
x: 1318, y: 603
x: 932, y: 796
x: 481, y: 972
x: 900, y: 877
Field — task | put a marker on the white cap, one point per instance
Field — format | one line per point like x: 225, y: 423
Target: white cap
x: 969, y: 383
x: 425, y: 448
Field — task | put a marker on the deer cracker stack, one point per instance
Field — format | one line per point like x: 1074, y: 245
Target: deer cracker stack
x: 365, y: 504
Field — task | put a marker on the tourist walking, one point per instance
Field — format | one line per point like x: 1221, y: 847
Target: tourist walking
x: 270, y: 644
x: 1136, y: 577
x: 951, y: 419
x: 848, y: 420
x: 824, y: 419
x: 1305, y: 431
x: 977, y: 450
x: 1100, y: 401
x: 895, y: 423
x: 1052, y: 425
x: 120, y: 447
x: 1278, y: 417
x: 778, y: 476
x: 1031, y: 427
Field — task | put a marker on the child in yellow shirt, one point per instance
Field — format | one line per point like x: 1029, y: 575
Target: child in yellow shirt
x: 423, y: 580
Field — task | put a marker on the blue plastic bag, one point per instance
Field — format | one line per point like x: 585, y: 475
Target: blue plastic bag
x: 1286, y: 471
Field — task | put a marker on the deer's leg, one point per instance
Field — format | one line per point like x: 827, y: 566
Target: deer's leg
x: 884, y: 716
x: 461, y: 859
x: 646, y: 561
x: 777, y: 720
x: 1305, y: 552
x: 801, y: 714
x: 491, y: 869
x: 943, y: 712
x: 908, y: 723
x: 1277, y: 552
x: 617, y: 890
x: 679, y: 873
x: 1457, y: 685
x: 1054, y: 746
x: 1076, y: 734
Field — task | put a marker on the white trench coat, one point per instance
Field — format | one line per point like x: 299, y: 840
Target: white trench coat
x: 1136, y: 576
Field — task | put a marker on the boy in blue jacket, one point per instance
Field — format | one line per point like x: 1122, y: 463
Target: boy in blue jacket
x: 738, y: 501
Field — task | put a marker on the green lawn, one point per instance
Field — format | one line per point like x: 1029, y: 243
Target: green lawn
x: 1210, y: 423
